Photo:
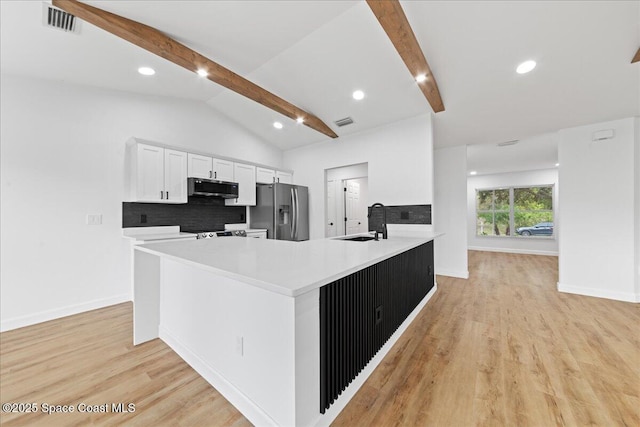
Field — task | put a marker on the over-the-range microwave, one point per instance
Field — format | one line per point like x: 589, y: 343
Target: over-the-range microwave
x: 213, y: 188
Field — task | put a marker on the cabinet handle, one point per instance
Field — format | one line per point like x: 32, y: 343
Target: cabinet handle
x: 161, y: 195
x: 215, y: 174
x: 167, y: 195
x: 210, y: 174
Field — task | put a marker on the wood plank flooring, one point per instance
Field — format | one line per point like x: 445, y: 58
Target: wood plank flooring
x: 503, y: 348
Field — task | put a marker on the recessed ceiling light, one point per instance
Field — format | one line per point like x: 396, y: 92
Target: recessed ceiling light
x: 300, y: 120
x: 146, y: 71
x: 557, y: 164
x: 473, y: 173
x: 202, y: 73
x: 421, y: 77
x: 525, y: 67
x: 277, y: 125
x: 358, y: 95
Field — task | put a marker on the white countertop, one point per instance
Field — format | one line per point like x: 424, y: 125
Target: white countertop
x: 285, y: 267
x: 150, y: 234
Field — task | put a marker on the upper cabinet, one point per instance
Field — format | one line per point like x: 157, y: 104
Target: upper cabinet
x: 284, y: 177
x: 200, y: 166
x: 245, y: 176
x: 265, y: 176
x: 268, y: 176
x: 210, y: 168
x: 223, y: 170
x: 157, y: 175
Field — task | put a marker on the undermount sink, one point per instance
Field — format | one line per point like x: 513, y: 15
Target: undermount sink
x: 359, y: 238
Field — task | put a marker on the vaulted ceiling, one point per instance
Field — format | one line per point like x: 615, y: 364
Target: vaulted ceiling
x: 315, y: 54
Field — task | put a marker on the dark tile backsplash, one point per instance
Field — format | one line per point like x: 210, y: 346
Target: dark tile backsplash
x: 403, y: 214
x: 200, y: 213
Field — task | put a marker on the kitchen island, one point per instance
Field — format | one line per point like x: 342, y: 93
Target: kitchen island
x: 286, y: 331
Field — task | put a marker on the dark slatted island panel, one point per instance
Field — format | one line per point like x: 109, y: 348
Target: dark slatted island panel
x: 360, y: 312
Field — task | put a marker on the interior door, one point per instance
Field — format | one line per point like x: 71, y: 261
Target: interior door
x: 331, y: 227
x: 353, y: 217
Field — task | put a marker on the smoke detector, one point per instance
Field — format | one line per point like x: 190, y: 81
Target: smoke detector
x: 54, y: 17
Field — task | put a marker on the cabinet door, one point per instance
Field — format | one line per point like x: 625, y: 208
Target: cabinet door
x: 200, y: 166
x: 265, y: 176
x: 223, y: 170
x: 149, y: 173
x: 284, y: 177
x: 175, y: 176
x: 245, y: 176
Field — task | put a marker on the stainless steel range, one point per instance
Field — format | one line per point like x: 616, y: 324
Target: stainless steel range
x: 201, y: 234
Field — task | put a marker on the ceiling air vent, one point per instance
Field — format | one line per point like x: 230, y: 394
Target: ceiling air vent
x: 344, y: 122
x: 53, y: 17
x: 508, y: 143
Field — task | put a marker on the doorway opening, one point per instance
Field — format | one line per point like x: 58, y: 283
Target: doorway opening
x: 346, y: 200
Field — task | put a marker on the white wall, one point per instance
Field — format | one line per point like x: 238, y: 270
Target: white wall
x: 400, y: 165
x: 598, y: 189
x: 539, y: 246
x: 450, y: 211
x: 62, y: 157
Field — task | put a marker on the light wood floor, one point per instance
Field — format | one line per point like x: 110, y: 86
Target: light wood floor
x: 501, y: 349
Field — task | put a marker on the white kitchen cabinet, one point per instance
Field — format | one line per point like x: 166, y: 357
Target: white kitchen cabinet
x: 223, y: 170
x: 210, y: 168
x: 265, y: 176
x: 175, y: 176
x: 157, y: 175
x: 200, y: 166
x: 284, y: 177
x: 245, y: 176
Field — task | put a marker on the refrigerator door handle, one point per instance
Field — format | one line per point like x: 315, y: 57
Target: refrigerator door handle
x: 297, y: 213
x: 293, y: 214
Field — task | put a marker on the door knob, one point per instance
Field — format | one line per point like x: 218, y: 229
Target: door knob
x: 330, y: 223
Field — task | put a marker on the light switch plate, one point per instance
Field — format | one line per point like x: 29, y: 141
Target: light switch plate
x: 95, y: 219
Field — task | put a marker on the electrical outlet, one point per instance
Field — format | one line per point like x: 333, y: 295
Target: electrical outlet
x: 404, y: 215
x: 240, y: 346
x: 95, y: 219
x: 143, y: 219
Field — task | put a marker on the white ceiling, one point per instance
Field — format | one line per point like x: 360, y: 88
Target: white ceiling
x: 315, y: 53
x: 539, y: 152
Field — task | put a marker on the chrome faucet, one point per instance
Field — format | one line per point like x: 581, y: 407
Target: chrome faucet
x: 384, y: 219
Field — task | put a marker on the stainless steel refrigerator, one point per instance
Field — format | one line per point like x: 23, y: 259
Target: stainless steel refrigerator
x: 283, y: 209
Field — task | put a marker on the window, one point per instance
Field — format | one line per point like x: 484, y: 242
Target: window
x: 515, y: 211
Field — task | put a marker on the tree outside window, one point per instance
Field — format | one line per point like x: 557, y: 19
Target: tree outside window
x: 521, y: 211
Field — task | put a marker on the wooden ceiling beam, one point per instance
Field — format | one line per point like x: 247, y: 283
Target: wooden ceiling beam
x: 160, y: 44
x: 637, y: 57
x: 394, y: 22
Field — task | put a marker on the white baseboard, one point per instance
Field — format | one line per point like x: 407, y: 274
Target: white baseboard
x: 249, y: 409
x: 514, y: 251
x: 57, y: 313
x: 460, y: 274
x: 599, y: 293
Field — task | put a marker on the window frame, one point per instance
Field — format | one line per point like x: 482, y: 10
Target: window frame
x: 512, y: 210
